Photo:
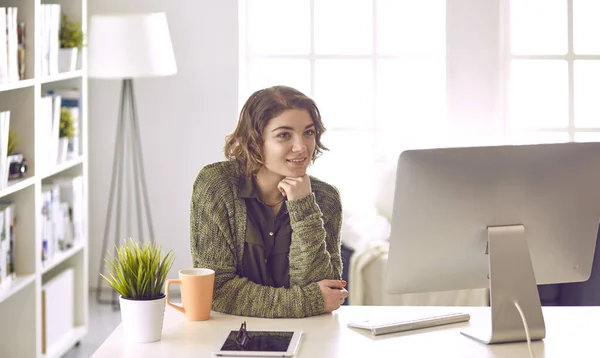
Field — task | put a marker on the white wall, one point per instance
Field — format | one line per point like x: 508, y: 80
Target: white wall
x: 183, y: 118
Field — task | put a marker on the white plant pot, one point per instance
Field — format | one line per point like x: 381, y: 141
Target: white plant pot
x: 142, y: 319
x: 63, y: 148
x: 67, y: 59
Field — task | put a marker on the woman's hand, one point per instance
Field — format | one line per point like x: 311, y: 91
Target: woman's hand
x: 334, y: 293
x: 295, y: 188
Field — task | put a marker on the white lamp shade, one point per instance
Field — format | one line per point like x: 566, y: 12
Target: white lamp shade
x: 130, y: 46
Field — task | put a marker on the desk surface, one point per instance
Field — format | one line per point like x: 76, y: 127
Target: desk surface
x: 570, y: 332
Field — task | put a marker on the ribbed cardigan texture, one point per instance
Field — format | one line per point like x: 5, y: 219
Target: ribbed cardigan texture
x: 217, y: 235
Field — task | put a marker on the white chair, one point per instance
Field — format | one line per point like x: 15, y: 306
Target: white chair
x: 367, y: 233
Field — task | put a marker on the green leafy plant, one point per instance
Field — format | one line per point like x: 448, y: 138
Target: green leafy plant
x: 139, y: 271
x: 70, y: 33
x: 13, y: 141
x: 67, y: 126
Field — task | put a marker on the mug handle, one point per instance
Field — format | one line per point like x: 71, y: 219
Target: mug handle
x: 177, y: 307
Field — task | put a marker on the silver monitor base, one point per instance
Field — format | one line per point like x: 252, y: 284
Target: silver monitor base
x: 511, y: 280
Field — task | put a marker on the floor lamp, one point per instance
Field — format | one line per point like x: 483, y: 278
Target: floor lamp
x: 125, y: 47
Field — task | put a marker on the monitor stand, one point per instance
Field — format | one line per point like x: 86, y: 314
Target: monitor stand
x: 511, y: 280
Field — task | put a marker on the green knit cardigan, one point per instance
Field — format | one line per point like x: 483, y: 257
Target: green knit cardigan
x: 218, y: 229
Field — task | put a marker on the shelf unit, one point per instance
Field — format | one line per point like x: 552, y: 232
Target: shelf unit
x: 21, y: 304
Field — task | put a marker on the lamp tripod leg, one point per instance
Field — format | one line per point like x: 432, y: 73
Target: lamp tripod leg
x: 116, y: 178
x: 125, y: 148
x: 139, y: 165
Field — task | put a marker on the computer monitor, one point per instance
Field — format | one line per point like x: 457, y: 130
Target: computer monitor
x: 503, y: 217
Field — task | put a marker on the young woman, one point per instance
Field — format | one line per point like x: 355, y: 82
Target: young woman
x: 270, y: 232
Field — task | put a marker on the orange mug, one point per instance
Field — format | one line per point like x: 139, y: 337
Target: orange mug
x: 196, y: 286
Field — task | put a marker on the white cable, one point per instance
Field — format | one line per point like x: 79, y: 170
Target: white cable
x: 526, y: 328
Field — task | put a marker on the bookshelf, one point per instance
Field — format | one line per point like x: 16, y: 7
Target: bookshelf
x: 25, y: 298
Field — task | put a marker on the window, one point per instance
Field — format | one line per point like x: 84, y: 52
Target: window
x: 376, y: 69
x: 553, y: 61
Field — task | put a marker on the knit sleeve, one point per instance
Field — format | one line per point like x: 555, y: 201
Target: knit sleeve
x: 212, y: 246
x: 316, y: 244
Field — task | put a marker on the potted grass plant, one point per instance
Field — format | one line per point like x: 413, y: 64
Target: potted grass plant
x: 71, y: 41
x: 65, y: 134
x: 138, y: 273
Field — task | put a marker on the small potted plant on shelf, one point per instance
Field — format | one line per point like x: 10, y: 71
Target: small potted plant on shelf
x: 66, y: 133
x: 138, y: 272
x: 71, y: 41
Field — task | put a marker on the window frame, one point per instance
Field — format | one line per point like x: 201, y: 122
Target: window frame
x: 570, y: 57
x: 373, y: 127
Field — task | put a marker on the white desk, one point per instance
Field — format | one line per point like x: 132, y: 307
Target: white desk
x: 570, y: 332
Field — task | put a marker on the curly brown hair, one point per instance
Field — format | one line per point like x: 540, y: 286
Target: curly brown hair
x: 244, y: 145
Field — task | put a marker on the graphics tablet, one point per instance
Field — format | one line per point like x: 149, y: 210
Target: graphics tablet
x: 265, y: 343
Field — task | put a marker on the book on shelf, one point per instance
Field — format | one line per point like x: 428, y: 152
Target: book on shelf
x: 7, y: 244
x: 50, y: 128
x: 49, y: 38
x: 70, y: 99
x: 62, y: 216
x: 50, y: 221
x: 9, y: 45
x: 3, y: 46
x: 21, y: 49
x: 71, y: 196
x: 4, y: 164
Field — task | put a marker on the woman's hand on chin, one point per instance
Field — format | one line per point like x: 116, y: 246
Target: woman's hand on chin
x: 295, y: 188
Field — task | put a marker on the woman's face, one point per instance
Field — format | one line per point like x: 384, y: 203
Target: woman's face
x: 289, y: 143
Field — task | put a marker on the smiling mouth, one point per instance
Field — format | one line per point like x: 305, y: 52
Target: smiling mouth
x: 297, y: 161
